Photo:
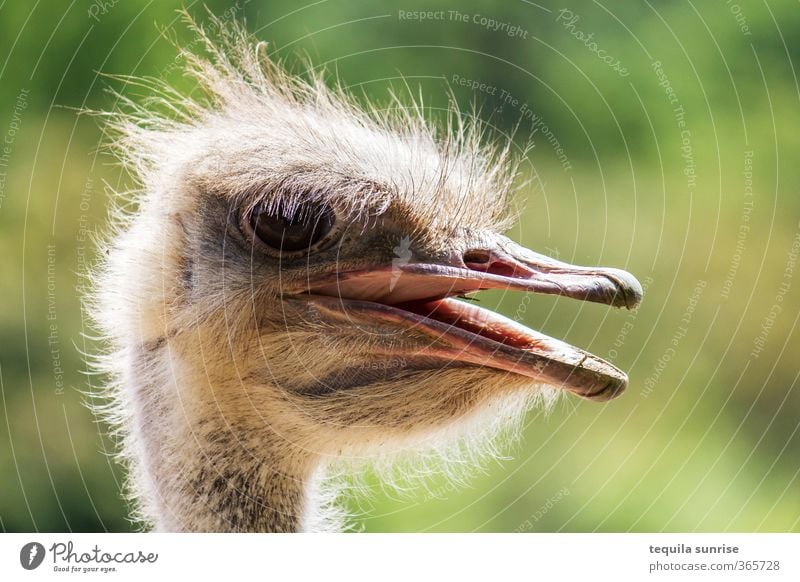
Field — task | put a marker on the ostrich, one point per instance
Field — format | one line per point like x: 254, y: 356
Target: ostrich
x: 285, y: 290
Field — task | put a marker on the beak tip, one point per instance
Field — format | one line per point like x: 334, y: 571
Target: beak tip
x: 629, y: 291
x: 610, y: 391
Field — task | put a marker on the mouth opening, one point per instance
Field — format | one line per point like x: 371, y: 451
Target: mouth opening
x: 470, y: 318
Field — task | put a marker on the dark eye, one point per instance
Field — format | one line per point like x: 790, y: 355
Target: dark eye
x: 294, y: 231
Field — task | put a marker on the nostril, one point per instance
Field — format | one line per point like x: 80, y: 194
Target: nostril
x: 477, y: 257
x: 487, y: 262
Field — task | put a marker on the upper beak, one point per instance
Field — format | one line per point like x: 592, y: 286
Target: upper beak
x: 508, y: 267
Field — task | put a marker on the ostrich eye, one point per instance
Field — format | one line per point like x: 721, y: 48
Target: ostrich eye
x: 294, y: 231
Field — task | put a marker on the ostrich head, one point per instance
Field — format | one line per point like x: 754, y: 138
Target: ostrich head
x: 286, y: 293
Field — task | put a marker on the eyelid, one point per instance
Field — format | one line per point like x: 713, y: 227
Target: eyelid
x: 327, y: 240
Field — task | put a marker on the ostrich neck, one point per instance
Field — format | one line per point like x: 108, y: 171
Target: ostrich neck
x: 193, y: 471
x: 215, y: 485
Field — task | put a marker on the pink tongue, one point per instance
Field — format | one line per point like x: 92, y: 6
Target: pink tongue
x: 472, y: 319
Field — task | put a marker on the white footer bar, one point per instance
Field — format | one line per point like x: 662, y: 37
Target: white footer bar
x: 387, y: 557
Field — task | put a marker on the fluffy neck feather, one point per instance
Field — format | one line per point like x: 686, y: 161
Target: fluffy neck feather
x: 195, y: 468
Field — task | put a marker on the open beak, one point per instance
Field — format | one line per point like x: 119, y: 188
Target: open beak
x: 421, y: 295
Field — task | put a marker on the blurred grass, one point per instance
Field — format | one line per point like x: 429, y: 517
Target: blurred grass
x: 713, y: 446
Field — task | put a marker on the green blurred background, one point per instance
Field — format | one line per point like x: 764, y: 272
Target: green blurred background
x: 679, y: 161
